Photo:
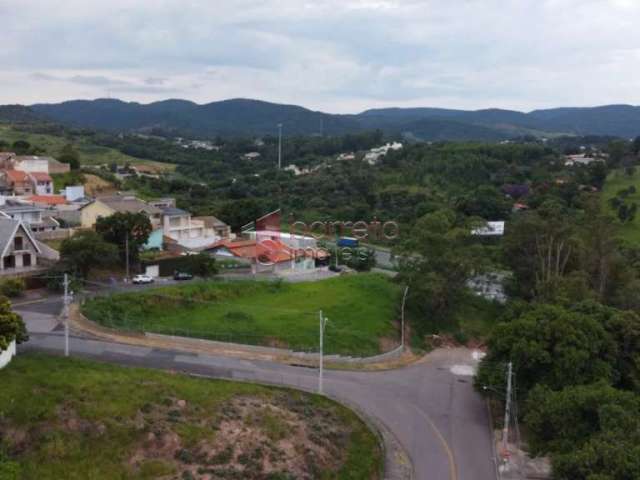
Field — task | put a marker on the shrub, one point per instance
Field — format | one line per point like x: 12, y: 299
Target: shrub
x: 12, y: 287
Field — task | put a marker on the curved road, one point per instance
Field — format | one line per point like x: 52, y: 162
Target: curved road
x: 429, y: 408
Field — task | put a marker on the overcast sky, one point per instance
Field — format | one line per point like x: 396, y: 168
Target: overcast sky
x: 331, y: 55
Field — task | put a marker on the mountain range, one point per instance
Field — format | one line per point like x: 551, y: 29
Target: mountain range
x: 254, y: 117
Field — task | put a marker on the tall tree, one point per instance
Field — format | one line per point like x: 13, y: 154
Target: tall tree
x: 126, y: 229
x: 87, y: 250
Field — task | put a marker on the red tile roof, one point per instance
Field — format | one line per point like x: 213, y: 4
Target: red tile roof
x: 17, y: 176
x: 273, y: 251
x: 41, y: 176
x: 48, y: 199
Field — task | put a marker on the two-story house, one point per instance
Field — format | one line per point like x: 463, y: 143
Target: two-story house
x: 18, y: 249
x: 19, y: 182
x: 42, y: 183
x: 32, y: 216
x: 188, y: 232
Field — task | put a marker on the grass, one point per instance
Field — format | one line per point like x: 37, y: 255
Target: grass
x: 79, y: 420
x: 90, y: 154
x: 361, y: 311
x: 616, y: 181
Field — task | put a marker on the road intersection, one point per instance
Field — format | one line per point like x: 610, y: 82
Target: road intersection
x: 427, y: 412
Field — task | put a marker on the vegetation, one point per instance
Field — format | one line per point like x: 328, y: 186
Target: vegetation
x: 129, y: 231
x: 12, y: 287
x: 361, y: 311
x: 53, y: 140
x: 11, y: 326
x: 86, y: 250
x: 90, y: 420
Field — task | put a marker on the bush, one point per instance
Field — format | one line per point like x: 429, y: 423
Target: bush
x: 12, y: 287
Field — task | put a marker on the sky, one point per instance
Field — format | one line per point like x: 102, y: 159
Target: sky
x: 340, y: 56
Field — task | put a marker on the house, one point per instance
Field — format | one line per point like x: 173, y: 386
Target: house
x: 188, y: 232
x: 56, y: 167
x: 19, y: 182
x: 42, y: 182
x: 107, y: 206
x: 217, y: 226
x: 19, y: 250
x: 491, y: 229
x: 581, y: 159
x: 373, y: 156
x: 46, y: 200
x: 73, y: 193
x: 34, y: 217
x: 31, y: 163
x: 7, y: 160
x: 266, y: 256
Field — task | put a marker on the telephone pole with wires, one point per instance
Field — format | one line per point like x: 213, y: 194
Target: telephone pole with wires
x: 67, y: 301
x: 323, y: 323
x: 507, y: 411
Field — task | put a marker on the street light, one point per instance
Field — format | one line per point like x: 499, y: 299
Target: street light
x: 279, y: 146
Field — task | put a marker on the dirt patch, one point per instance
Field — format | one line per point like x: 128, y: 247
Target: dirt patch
x: 387, y: 344
x: 248, y: 438
x: 95, y: 185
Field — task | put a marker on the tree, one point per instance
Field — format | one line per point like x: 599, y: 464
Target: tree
x: 540, y: 247
x: 69, y: 155
x: 550, y: 345
x: 202, y: 264
x: 591, y: 431
x: 126, y: 227
x: 87, y: 250
x: 11, y: 325
x: 437, y: 259
x: 21, y: 147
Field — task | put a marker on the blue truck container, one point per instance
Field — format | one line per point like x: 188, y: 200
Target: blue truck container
x: 348, y: 242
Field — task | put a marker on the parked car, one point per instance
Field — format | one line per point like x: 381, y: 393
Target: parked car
x: 142, y: 279
x: 182, y: 275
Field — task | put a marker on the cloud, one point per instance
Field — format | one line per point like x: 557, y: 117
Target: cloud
x: 336, y: 55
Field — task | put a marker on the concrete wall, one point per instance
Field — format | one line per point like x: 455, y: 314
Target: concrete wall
x: 7, y: 355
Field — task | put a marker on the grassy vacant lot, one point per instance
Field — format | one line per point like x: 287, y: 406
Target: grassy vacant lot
x: 71, y: 419
x: 616, y: 181
x: 90, y: 154
x: 361, y: 311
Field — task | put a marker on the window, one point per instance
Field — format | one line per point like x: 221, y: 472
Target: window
x: 18, y: 243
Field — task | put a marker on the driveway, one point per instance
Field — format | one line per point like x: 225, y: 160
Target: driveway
x: 428, y: 409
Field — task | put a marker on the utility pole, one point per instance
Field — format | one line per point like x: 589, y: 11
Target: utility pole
x: 323, y: 322
x: 507, y: 411
x: 126, y: 248
x: 404, y: 301
x: 66, y: 315
x: 279, y: 146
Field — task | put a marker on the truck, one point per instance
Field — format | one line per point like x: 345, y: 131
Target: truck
x: 347, y: 242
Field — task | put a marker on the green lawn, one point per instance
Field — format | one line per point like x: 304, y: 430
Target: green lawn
x: 90, y: 154
x: 79, y: 420
x: 361, y: 311
x: 616, y: 181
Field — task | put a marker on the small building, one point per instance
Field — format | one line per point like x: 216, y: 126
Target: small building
x: 19, y: 182
x: 43, y: 183
x: 490, y: 229
x: 73, y: 193
x: 251, y: 155
x: 31, y: 163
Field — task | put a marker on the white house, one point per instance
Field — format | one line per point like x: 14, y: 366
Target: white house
x: 188, y: 232
x: 490, y: 229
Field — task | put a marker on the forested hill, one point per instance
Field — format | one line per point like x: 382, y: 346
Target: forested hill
x: 244, y: 117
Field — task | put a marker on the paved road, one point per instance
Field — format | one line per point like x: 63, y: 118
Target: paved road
x: 430, y: 408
